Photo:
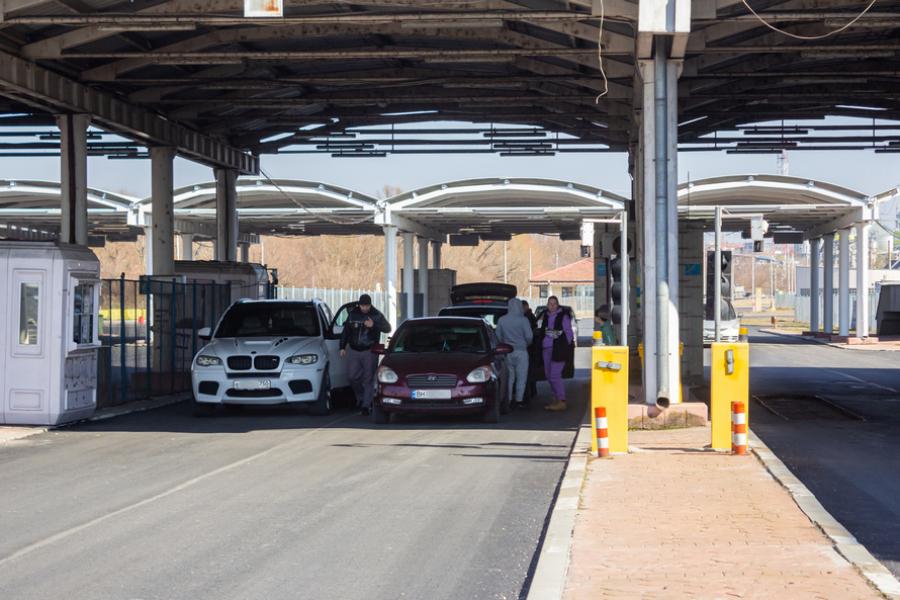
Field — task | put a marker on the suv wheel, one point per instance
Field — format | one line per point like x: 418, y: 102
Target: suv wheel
x: 322, y: 405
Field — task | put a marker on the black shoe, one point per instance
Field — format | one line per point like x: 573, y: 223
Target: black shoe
x: 364, y: 412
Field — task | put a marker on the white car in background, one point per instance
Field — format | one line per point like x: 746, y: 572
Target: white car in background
x: 730, y: 328
x: 266, y: 352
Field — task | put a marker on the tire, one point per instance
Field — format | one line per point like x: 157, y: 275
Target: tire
x: 322, y: 405
x: 492, y: 414
x: 379, y: 415
x: 202, y: 409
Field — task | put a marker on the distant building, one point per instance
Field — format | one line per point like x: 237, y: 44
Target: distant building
x: 575, y: 279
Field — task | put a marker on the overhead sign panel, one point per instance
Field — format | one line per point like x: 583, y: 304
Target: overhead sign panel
x: 263, y: 8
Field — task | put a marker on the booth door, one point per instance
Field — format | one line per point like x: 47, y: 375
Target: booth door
x: 26, y: 387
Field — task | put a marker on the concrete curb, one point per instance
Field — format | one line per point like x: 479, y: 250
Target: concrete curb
x: 549, y: 579
x: 104, y: 413
x: 813, y: 340
x: 844, y: 542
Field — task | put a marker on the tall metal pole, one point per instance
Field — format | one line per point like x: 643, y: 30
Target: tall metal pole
x: 626, y: 301
x: 718, y: 275
x: 662, y: 225
x: 505, y: 269
x: 753, y: 282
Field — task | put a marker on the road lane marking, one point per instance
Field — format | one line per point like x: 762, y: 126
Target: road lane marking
x: 892, y: 390
x: 69, y: 532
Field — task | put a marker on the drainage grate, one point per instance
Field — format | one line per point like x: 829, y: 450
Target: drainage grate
x: 797, y: 408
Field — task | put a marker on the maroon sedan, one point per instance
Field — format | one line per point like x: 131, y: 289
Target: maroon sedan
x: 442, y: 365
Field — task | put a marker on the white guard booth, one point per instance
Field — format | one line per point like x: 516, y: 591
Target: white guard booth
x: 49, y: 302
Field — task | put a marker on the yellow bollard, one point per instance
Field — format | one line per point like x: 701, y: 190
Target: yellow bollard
x: 609, y: 389
x: 730, y: 370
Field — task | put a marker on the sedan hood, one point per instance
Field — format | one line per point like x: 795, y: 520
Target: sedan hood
x: 437, y: 363
x: 264, y: 345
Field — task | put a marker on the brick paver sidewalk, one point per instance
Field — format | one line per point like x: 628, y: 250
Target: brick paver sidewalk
x: 668, y: 522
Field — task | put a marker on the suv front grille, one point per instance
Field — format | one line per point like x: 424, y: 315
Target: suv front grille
x: 438, y: 381
x: 266, y: 363
x: 239, y: 363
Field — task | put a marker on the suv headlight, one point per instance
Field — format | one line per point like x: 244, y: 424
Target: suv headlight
x: 387, y: 375
x: 479, y: 375
x: 208, y: 361
x: 305, y: 359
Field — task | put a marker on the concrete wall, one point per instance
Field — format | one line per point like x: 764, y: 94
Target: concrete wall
x: 690, y: 309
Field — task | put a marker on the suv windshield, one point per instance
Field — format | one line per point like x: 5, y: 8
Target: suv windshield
x: 253, y: 319
x: 416, y: 338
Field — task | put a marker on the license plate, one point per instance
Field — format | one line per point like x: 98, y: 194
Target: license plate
x: 431, y: 394
x: 252, y: 384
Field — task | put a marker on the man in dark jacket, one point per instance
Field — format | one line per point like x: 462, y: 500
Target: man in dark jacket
x: 362, y: 330
x: 532, y: 352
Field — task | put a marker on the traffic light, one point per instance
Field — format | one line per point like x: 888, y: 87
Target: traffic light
x: 726, y: 285
x: 617, y: 294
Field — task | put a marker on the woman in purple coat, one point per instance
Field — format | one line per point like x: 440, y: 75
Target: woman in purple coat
x: 556, y: 333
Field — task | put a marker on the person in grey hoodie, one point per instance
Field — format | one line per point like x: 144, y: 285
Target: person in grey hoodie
x: 514, y: 329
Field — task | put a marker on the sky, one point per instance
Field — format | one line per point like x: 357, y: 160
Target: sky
x: 861, y: 170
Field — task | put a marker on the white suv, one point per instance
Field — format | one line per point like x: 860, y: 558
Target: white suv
x: 270, y: 352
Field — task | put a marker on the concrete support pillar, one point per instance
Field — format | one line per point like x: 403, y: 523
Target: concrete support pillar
x: 245, y: 252
x: 436, y: 255
x: 187, y: 246
x: 390, y: 274
x: 659, y: 219
x: 844, y: 283
x: 862, y: 280
x: 148, y: 250
x: 409, y: 268
x: 73, y: 178
x: 226, y: 215
x: 815, y: 245
x: 828, y: 300
x: 423, y: 274
x: 163, y: 213
x: 690, y: 256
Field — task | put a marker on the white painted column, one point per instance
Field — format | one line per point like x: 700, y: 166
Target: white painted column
x: 163, y: 213
x: 390, y: 273
x: 828, y: 301
x: 187, y: 246
x: 409, y: 268
x: 226, y: 215
x: 245, y: 252
x: 844, y: 283
x: 423, y: 274
x: 436, y: 255
x: 814, y: 246
x: 73, y: 178
x: 148, y: 249
x: 862, y: 280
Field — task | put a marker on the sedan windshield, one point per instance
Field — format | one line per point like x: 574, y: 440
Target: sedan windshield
x: 422, y: 337
x: 262, y: 319
x: 488, y: 313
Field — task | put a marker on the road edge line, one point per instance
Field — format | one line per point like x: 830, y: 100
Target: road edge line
x: 549, y: 579
x: 847, y: 546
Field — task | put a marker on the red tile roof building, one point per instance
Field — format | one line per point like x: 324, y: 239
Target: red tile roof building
x: 575, y: 279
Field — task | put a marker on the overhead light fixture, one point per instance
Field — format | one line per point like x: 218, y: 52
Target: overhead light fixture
x: 148, y: 26
x: 197, y: 60
x: 475, y: 58
x: 438, y: 23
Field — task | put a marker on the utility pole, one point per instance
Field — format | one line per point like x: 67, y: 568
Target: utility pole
x: 505, y: 269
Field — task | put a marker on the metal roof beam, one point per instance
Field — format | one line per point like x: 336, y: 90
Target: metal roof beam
x: 57, y: 93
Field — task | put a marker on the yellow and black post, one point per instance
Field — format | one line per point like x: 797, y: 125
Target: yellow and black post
x: 609, y: 389
x: 730, y: 375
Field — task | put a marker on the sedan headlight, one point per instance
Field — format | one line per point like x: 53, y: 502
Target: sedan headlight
x: 479, y: 375
x: 208, y: 361
x: 305, y: 359
x: 387, y: 375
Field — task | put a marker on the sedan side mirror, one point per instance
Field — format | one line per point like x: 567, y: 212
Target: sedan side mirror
x: 503, y: 349
x: 740, y: 315
x: 378, y: 349
x: 205, y: 334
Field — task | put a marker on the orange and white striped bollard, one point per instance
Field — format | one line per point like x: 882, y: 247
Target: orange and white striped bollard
x: 600, y: 425
x: 739, y: 424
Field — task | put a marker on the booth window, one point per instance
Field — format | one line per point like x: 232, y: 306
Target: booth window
x: 84, y: 314
x: 28, y: 313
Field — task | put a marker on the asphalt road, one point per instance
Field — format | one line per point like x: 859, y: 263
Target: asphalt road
x: 850, y: 465
x: 270, y: 504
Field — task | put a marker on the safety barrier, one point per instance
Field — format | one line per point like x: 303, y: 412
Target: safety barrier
x: 730, y: 379
x: 609, y: 391
x: 739, y: 428
x: 602, y: 429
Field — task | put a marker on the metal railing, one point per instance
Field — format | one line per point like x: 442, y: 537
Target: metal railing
x: 801, y: 306
x: 149, y: 336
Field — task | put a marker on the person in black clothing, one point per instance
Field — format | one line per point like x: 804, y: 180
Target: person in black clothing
x: 532, y: 358
x: 362, y: 330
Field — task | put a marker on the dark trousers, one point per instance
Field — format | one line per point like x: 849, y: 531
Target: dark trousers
x: 361, y: 367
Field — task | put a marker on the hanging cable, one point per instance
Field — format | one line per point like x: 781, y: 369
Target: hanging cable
x: 600, y: 55
x: 309, y: 211
x: 809, y: 37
